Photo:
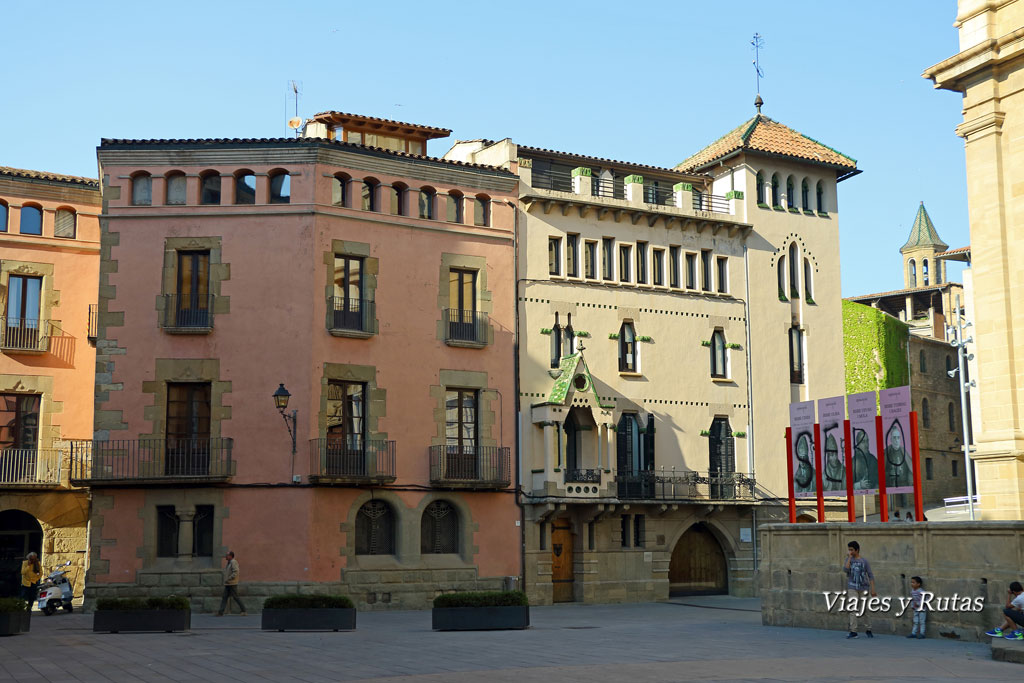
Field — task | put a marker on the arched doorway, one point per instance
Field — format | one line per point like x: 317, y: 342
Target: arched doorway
x: 20, y: 534
x: 698, y: 565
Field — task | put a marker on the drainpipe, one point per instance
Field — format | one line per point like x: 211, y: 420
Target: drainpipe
x: 750, y: 376
x: 519, y: 417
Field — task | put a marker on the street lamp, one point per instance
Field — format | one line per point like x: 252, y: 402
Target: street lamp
x: 960, y: 344
x: 281, y: 397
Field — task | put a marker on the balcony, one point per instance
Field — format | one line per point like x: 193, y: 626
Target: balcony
x: 465, y: 328
x: 24, y: 335
x: 93, y: 332
x: 127, y: 462
x: 348, y: 461
x: 348, y: 317
x: 479, y: 467
x: 685, y: 486
x: 577, y: 476
x: 30, y: 467
x: 187, y: 314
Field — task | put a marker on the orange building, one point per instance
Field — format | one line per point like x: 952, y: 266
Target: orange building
x: 49, y: 268
x: 367, y: 285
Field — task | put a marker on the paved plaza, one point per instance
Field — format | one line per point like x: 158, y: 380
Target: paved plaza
x: 689, y: 639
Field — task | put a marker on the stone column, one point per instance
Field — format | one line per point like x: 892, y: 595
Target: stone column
x: 634, y: 185
x: 581, y: 177
x: 186, y: 516
x: 610, y: 464
x: 598, y: 436
x: 549, y: 435
x: 683, y: 195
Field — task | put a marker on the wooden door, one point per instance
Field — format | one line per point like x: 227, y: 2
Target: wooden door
x: 561, y: 562
x: 698, y: 565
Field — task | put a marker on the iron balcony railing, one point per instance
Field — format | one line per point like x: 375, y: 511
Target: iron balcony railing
x: 685, y: 486
x: 93, y: 331
x: 465, y: 326
x: 553, y: 180
x: 124, y: 461
x: 188, y: 312
x: 30, y: 467
x: 607, y: 187
x: 577, y: 476
x: 657, y: 194
x: 471, y: 466
x: 710, y: 202
x: 24, y: 334
x: 351, y: 460
x: 345, y: 313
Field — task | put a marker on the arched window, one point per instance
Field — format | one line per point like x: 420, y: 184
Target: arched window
x: 573, y: 450
x: 627, y: 348
x: 4, y: 211
x: 399, y: 194
x: 369, y: 195
x: 176, y: 185
x: 142, y: 189
x: 796, y: 355
x: 280, y: 187
x: 760, y: 188
x: 807, y: 281
x: 949, y: 363
x: 453, y: 210
x: 938, y: 272
x: 912, y: 273
x: 569, y: 334
x: 776, y: 199
x: 951, y: 416
x: 31, y: 219
x: 921, y: 359
x: 794, y: 272
x: 821, y: 197
x: 805, y: 195
x: 718, y: 355
x: 375, y: 529
x: 339, y: 189
x: 926, y: 419
x: 482, y: 210
x: 425, y: 205
x: 439, y: 529
x: 65, y: 223
x: 209, y: 188
x: 628, y: 446
x: 790, y: 193
x: 781, y: 268
x: 924, y: 272
x: 245, y: 187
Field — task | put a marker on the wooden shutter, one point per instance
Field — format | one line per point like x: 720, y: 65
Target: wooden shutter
x: 64, y: 224
x: 647, y: 462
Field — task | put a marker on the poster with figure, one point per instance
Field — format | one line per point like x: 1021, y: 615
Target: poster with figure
x: 895, y: 404
x: 863, y: 410
x: 831, y: 414
x: 801, y: 424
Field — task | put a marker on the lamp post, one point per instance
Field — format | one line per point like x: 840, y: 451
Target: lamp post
x: 281, y: 397
x: 960, y: 344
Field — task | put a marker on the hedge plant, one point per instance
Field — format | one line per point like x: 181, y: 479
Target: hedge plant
x: 307, y: 602
x: 12, y: 605
x: 483, y: 599
x: 135, y: 604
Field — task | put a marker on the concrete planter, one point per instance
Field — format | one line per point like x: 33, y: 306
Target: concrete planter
x: 13, y: 623
x: 480, y: 618
x: 307, y: 619
x: 167, y: 620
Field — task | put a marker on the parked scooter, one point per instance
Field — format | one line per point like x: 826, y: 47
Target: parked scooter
x: 56, y: 591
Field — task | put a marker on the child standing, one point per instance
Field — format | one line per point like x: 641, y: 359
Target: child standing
x: 920, y: 616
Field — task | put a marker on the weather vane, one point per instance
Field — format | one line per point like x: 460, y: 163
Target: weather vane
x: 757, y: 42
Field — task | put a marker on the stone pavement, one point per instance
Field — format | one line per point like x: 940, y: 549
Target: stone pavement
x: 710, y: 638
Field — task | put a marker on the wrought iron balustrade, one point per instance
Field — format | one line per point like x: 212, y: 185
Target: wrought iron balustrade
x: 710, y: 202
x: 25, y: 334
x: 188, y: 312
x: 552, y: 180
x: 465, y: 326
x: 124, y: 461
x: 685, y: 486
x: 346, y: 313
x: 351, y: 460
x: 30, y: 467
x: 472, y: 466
x: 580, y: 476
x: 656, y: 194
x: 607, y: 187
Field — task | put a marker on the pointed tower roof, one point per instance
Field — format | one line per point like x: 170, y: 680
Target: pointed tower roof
x: 764, y: 135
x: 923, y: 233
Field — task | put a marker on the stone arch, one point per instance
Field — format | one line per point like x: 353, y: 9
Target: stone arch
x: 467, y: 527
x: 705, y: 568
x: 20, y: 534
x: 403, y: 516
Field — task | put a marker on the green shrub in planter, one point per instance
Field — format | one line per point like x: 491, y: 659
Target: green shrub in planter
x: 116, y: 615
x: 483, y: 599
x: 135, y: 604
x: 307, y: 602
x: 12, y: 605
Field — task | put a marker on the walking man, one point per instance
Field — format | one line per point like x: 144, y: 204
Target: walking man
x: 859, y: 578
x: 230, y: 585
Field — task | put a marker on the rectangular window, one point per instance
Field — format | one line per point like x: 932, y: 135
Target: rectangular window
x: 608, y: 258
x: 202, y: 531
x: 590, y: 260
x: 705, y: 270
x: 928, y: 471
x: 166, y: 531
x: 554, y: 255
x: 658, y: 266
x: 624, y: 524
x: 22, y: 329
x: 723, y: 274
x: 192, y: 298
x: 481, y: 211
x: 796, y: 356
x: 462, y: 289
x: 346, y: 415
x: 956, y: 467
x: 19, y: 422
x: 673, y: 267
x: 572, y: 245
x: 590, y: 536
x: 188, y: 429
x: 638, y: 531
x: 624, y: 258
x: 691, y: 271
x: 641, y: 263
x: 348, y: 292
x: 460, y: 420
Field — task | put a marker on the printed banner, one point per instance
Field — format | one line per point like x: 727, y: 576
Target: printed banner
x: 831, y: 413
x: 895, y: 404
x: 863, y: 410
x: 801, y: 424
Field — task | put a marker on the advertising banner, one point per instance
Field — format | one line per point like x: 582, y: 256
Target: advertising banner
x: 863, y: 409
x: 895, y: 405
x: 831, y: 414
x: 801, y: 423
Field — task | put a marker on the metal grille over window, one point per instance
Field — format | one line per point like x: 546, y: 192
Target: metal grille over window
x: 439, y: 529
x: 375, y: 529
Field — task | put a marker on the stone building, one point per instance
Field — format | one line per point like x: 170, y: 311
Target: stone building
x: 650, y: 338
x: 989, y: 72
x: 49, y: 265
x: 344, y: 273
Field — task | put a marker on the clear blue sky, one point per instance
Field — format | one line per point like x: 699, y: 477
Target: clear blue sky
x: 649, y: 82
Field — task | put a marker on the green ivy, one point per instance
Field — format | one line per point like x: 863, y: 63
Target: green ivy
x: 705, y: 342
x: 739, y: 435
x: 613, y: 335
x: 705, y: 432
x: 545, y: 330
x: 874, y: 349
x: 582, y: 333
x: 645, y: 338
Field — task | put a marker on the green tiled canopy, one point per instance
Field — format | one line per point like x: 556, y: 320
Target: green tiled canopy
x: 923, y: 233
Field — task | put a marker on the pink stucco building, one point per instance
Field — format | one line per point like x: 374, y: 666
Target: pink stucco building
x: 376, y: 285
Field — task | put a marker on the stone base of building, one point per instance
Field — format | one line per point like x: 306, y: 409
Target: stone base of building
x: 63, y: 519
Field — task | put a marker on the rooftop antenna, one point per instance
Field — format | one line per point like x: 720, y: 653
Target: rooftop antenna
x: 295, y: 122
x: 757, y: 42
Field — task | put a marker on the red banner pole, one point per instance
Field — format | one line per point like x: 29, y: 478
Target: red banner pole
x: 915, y: 459
x: 817, y: 472
x: 851, y: 502
x: 883, y: 502
x: 789, y: 469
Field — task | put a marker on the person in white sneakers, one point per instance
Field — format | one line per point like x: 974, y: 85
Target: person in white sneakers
x: 1012, y: 627
x: 859, y: 578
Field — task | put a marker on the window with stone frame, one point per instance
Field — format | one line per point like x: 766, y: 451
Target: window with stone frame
x: 719, y: 356
x: 705, y: 270
x: 627, y: 348
x: 166, y: 531
x: 19, y: 423
x: 554, y: 255
x: 639, y: 531
x: 23, y: 328
x: 439, y: 529
x: 641, y: 263
x: 461, y: 421
x: 572, y: 247
x: 375, y: 529
x: 590, y: 260
x: 202, y: 531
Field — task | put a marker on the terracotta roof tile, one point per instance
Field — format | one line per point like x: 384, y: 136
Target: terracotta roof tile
x: 584, y: 157
x: 952, y: 252
x: 911, y: 290
x: 45, y: 175
x: 328, y: 116
x: 762, y: 134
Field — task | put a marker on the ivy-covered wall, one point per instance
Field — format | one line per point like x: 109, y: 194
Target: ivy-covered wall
x: 874, y: 349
